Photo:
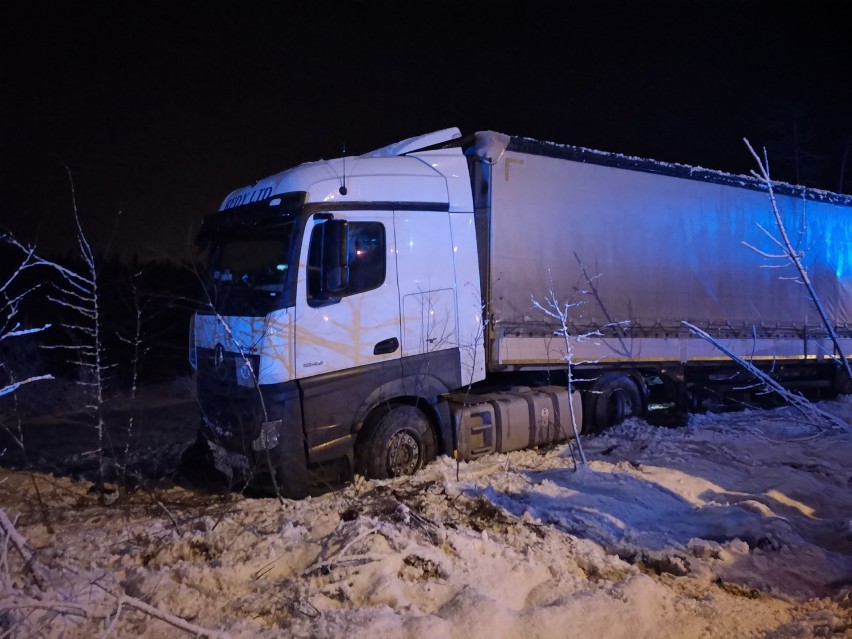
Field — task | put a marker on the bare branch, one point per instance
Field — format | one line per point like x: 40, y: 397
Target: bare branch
x: 97, y: 610
x: 11, y: 388
x: 33, y: 566
x: 26, y: 331
x: 794, y: 399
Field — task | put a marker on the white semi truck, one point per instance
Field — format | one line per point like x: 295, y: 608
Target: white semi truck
x: 380, y: 310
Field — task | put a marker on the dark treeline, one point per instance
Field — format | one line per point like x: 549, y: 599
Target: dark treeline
x: 144, y: 315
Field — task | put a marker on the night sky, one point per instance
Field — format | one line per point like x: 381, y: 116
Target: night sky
x: 159, y: 109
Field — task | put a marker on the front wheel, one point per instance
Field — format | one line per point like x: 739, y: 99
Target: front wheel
x: 399, y: 440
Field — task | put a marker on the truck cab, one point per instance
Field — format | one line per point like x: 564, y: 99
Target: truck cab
x: 343, y: 303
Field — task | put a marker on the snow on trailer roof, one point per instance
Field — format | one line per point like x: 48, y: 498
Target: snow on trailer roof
x: 488, y: 144
x: 619, y: 160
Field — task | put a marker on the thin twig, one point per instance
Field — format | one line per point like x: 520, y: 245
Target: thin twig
x: 33, y: 566
x: 97, y: 610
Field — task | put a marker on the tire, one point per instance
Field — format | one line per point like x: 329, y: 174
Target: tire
x: 589, y: 400
x: 195, y: 460
x: 399, y: 440
x: 616, y: 397
x: 197, y: 469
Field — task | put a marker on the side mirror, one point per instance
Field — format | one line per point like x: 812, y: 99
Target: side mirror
x: 335, y: 256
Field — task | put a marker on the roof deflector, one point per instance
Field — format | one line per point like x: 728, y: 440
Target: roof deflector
x: 416, y: 143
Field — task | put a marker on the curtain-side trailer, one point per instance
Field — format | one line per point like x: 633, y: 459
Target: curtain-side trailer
x: 382, y: 309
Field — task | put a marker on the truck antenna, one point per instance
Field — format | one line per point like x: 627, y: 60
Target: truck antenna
x: 342, y: 188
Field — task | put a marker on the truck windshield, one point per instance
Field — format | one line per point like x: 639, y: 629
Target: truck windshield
x: 251, y: 270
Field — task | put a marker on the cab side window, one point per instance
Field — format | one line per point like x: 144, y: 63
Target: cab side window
x: 367, y: 256
x: 367, y: 253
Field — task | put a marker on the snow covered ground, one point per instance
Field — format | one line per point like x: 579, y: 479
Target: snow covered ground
x: 737, y: 525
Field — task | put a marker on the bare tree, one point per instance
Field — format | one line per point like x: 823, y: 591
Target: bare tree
x: 788, y: 255
x: 791, y: 255
x: 29, y: 276
x: 13, y: 292
x: 78, y: 292
x: 562, y: 312
x: 139, y: 349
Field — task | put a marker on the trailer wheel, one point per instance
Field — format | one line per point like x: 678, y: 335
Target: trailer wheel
x: 399, y: 441
x: 616, y: 397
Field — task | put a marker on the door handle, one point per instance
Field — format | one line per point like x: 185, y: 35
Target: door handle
x: 386, y: 346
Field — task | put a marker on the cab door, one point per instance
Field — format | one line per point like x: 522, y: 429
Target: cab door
x: 358, y: 324
x: 426, y: 278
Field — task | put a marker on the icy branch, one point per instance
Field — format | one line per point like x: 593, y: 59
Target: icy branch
x: 794, y: 399
x: 24, y: 331
x: 11, y: 388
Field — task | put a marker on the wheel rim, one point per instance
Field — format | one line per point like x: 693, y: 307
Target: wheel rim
x: 403, y: 455
x: 620, y: 406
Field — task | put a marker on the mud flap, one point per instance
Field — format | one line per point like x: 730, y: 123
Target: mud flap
x: 292, y: 475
